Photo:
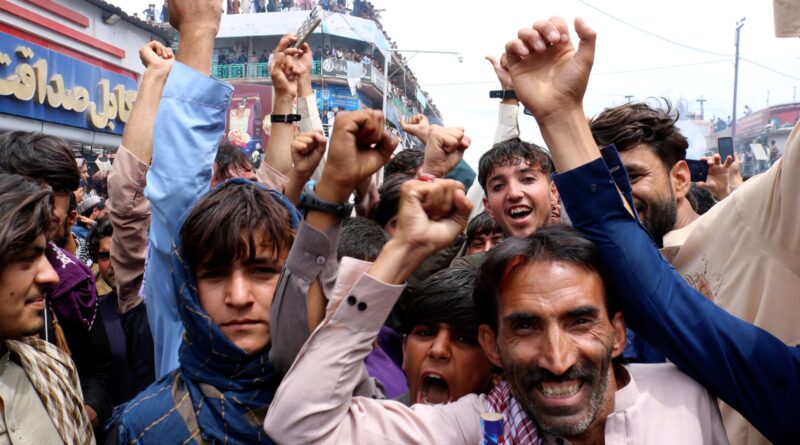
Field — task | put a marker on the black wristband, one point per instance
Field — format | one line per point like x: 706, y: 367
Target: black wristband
x: 284, y: 118
x: 503, y: 94
x: 310, y: 200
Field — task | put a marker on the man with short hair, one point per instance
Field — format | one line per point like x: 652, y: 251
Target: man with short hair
x: 99, y: 243
x: 72, y: 302
x: 737, y: 251
x: 40, y: 396
x: 519, y: 193
x: 440, y: 339
x: 653, y: 151
x: 483, y: 233
x: 545, y: 318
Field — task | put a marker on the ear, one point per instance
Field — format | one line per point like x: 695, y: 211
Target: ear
x: 72, y: 217
x: 486, y: 207
x: 488, y: 341
x: 555, y: 200
x: 680, y: 179
x: 620, y: 335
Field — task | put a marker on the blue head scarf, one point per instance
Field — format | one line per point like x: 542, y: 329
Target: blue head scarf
x: 230, y: 389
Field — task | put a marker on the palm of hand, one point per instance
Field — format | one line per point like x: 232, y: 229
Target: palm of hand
x: 546, y: 82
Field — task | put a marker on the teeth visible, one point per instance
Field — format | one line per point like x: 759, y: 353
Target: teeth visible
x: 560, y: 390
x: 518, y: 210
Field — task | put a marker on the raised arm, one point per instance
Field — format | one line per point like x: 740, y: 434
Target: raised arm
x: 129, y: 211
x: 189, y: 124
x: 508, y: 115
x: 743, y: 365
x: 431, y: 215
x: 312, y: 258
x: 286, y: 68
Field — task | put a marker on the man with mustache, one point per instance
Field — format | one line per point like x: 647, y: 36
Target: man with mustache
x: 545, y: 318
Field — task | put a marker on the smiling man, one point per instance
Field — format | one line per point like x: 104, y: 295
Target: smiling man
x: 518, y: 190
x: 545, y: 319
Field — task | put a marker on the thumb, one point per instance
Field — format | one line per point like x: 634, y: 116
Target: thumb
x: 493, y: 61
x: 587, y: 42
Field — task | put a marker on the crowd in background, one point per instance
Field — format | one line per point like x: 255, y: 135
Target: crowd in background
x: 347, y: 290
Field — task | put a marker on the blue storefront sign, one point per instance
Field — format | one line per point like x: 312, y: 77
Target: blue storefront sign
x: 334, y: 96
x: 43, y: 84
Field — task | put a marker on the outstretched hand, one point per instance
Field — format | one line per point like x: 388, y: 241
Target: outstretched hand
x: 288, y: 65
x: 718, y: 178
x: 444, y: 150
x: 549, y: 75
x: 359, y: 146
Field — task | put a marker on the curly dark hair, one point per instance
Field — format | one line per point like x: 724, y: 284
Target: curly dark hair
x: 629, y: 125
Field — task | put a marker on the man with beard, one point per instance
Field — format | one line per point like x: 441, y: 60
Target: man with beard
x: 653, y: 151
x: 545, y: 318
x: 742, y: 254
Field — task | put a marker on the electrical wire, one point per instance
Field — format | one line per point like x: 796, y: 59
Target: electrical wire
x: 683, y: 45
x: 636, y: 70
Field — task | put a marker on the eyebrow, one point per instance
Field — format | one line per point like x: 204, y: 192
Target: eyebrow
x: 520, y: 316
x: 583, y: 311
x: 270, y: 261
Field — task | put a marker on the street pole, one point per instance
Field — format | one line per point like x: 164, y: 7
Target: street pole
x: 702, y: 101
x: 739, y: 25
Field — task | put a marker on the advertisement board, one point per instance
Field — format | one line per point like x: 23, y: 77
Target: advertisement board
x: 43, y: 84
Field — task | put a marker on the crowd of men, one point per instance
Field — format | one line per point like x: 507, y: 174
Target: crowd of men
x: 357, y: 8
x: 576, y: 290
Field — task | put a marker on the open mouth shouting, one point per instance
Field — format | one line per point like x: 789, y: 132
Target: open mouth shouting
x: 433, y: 389
x: 519, y: 212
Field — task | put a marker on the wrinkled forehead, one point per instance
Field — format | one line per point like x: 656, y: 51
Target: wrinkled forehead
x: 549, y: 287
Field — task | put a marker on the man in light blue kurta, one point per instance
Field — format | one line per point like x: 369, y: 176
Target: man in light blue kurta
x: 189, y: 125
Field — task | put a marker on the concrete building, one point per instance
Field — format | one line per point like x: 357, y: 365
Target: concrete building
x: 70, y: 68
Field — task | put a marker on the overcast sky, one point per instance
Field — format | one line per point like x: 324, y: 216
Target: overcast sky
x: 682, y: 49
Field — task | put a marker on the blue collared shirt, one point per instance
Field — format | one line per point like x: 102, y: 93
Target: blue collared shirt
x: 189, y: 124
x: 745, y: 366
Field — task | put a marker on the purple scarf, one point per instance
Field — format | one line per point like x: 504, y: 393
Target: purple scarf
x: 74, y: 298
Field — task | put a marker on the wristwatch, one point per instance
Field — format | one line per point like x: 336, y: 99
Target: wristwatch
x: 284, y: 118
x: 503, y: 94
x: 310, y: 200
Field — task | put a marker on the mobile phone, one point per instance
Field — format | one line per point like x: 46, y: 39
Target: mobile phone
x: 725, y: 147
x: 698, y: 169
x: 309, y: 25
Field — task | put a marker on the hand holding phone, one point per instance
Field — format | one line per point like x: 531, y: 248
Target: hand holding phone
x: 309, y: 25
x: 698, y: 170
x: 725, y: 148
